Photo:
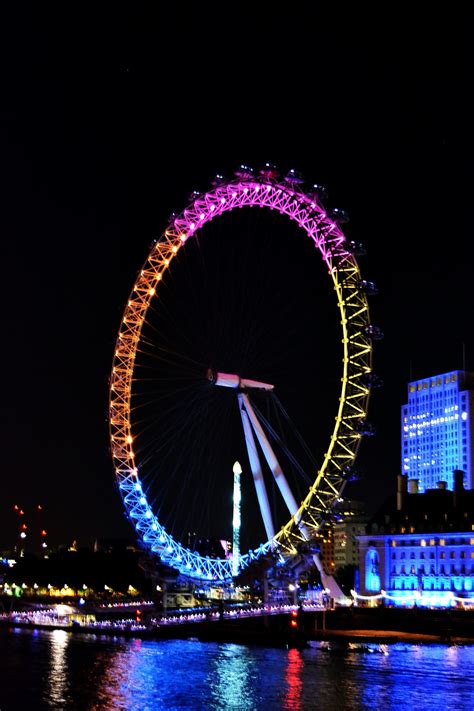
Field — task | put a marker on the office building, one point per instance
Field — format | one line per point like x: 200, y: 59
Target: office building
x: 437, y: 430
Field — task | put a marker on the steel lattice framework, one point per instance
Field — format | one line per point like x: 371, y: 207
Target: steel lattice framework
x: 351, y: 291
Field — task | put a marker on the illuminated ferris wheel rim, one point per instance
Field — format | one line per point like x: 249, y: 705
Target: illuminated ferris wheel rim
x: 288, y: 199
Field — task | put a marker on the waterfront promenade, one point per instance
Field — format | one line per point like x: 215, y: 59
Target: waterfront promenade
x: 273, y: 625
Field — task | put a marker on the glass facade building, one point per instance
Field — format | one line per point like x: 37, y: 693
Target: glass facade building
x: 437, y: 430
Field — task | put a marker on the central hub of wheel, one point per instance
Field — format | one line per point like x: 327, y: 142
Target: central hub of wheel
x: 230, y: 380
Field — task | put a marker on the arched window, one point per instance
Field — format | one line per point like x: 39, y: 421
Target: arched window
x: 372, y: 577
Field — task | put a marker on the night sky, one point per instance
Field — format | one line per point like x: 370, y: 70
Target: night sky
x: 111, y: 117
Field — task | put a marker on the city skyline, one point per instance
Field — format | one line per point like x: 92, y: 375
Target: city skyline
x: 96, y: 158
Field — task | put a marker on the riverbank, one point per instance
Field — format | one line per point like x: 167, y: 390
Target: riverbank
x: 365, y: 626
x: 389, y: 637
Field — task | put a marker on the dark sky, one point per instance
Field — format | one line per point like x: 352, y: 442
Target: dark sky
x: 111, y: 116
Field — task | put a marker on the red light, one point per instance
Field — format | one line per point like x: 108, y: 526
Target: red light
x: 39, y: 507
x: 15, y: 508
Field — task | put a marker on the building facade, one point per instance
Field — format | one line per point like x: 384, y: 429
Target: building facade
x: 437, y: 430
x: 419, y: 548
x: 346, y: 543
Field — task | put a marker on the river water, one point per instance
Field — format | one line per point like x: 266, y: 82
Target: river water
x: 57, y: 669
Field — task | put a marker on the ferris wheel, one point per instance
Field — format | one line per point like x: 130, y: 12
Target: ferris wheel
x: 306, y: 515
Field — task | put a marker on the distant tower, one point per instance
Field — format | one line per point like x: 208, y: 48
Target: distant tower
x: 437, y: 431
x: 236, y: 520
x: 31, y: 532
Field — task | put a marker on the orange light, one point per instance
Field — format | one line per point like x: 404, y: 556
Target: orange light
x: 43, y: 532
x: 294, y: 623
x: 40, y: 508
x: 24, y: 527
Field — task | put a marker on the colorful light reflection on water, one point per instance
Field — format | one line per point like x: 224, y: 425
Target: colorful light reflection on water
x: 61, y: 670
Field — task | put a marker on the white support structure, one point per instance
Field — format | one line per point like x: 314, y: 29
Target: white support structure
x: 256, y: 471
x: 236, y: 520
x: 249, y: 421
x: 230, y: 380
x: 273, y: 463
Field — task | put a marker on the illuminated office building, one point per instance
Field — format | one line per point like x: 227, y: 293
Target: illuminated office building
x: 437, y: 431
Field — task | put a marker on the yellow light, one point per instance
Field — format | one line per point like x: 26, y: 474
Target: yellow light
x: 167, y: 261
x: 183, y: 237
x: 174, y: 250
x: 151, y: 291
x: 129, y: 439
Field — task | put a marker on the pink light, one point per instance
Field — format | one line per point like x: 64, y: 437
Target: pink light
x: 297, y: 206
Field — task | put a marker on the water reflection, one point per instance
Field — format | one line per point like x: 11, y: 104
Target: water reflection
x: 63, y: 670
x: 58, y: 670
x: 232, y: 678
x: 294, y: 680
